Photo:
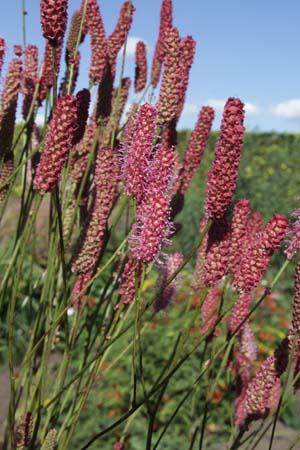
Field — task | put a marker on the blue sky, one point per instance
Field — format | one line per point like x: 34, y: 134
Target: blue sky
x: 248, y: 49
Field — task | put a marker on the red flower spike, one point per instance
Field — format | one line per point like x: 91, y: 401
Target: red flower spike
x: 187, y: 53
x: 92, y: 238
x: 255, y: 224
x: 54, y: 16
x: 119, y: 100
x: 5, y: 172
x: 18, y: 50
x: 242, y: 381
x: 294, y: 236
x: 222, y: 177
x: 79, y: 291
x: 98, y: 41
x: 137, y: 155
x: 2, y: 52
x: 153, y: 226
x: 171, y: 264
x: 118, y: 37
x: 83, y: 98
x: 248, y: 347
x: 30, y: 77
x: 197, y: 144
x: 259, y: 391
x: 73, y: 36
x: 239, y: 311
x: 238, y: 230
x: 170, y: 90
x: 9, y: 99
x: 160, y: 171
x: 127, y: 288
x: 47, y: 75
x: 166, y: 19
x: 80, y: 153
x: 217, y: 252
x: 258, y: 252
x: 140, y: 79
x: 59, y: 140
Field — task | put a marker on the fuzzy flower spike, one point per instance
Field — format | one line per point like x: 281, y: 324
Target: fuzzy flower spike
x: 136, y: 162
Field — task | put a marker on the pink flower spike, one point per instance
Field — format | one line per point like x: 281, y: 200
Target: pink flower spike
x: 140, y: 79
x: 258, y: 253
x: 170, y: 90
x: 217, y: 252
x: 118, y: 37
x: 238, y: 230
x: 239, y: 311
x: 222, y: 177
x: 92, y: 238
x: 30, y: 77
x: 197, y: 144
x: 137, y: 158
x: 294, y: 236
x: 187, y: 53
x: 166, y: 19
x: 18, y: 50
x: 152, y: 228
x: 9, y: 99
x: 2, y: 52
x: 54, y: 16
x: 59, y: 139
x: 96, y: 29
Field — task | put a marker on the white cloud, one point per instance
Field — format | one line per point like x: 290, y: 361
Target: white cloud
x: 40, y: 119
x: 130, y: 46
x: 251, y: 109
x: 190, y: 109
x: 218, y: 104
x: 289, y: 109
